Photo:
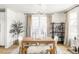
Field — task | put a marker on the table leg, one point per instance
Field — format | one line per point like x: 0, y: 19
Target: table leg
x: 54, y: 47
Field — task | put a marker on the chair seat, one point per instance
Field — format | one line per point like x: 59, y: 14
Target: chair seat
x: 41, y: 49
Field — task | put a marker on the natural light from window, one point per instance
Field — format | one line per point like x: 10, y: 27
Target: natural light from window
x: 39, y: 26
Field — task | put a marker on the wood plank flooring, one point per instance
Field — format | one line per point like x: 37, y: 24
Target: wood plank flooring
x: 9, y: 50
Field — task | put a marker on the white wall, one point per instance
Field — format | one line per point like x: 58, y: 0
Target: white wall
x: 58, y: 17
x: 21, y: 17
x: 13, y: 16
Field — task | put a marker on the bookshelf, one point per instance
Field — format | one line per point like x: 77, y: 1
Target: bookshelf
x: 58, y: 29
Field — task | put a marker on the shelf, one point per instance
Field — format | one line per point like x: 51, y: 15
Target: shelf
x: 59, y: 30
x: 57, y: 23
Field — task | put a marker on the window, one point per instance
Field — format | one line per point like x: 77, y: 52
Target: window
x: 39, y: 26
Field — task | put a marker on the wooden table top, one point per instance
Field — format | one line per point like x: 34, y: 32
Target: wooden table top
x: 29, y: 39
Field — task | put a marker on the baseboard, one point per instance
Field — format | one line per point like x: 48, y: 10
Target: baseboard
x: 2, y: 46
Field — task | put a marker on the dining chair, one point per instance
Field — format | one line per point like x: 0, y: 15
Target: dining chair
x: 51, y: 49
x: 58, y: 49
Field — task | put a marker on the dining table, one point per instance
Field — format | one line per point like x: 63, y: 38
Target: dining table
x: 29, y: 41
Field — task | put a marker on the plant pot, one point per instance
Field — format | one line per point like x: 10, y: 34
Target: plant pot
x: 16, y: 42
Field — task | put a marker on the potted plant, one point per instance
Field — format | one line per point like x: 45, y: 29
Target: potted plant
x: 16, y: 29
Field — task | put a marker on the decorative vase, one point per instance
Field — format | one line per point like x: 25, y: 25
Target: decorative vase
x: 75, y: 49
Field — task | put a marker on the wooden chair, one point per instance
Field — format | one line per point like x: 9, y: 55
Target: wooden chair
x: 54, y: 49
x: 25, y: 49
x: 51, y: 50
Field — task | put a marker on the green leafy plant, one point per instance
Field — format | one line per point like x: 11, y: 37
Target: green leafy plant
x: 16, y: 29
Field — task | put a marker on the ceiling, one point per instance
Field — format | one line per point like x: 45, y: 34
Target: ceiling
x: 36, y: 8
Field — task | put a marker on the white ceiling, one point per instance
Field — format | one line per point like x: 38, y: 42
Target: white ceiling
x: 36, y: 8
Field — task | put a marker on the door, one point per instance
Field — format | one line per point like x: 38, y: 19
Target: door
x: 1, y: 28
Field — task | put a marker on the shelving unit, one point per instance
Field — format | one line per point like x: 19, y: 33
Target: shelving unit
x: 58, y: 29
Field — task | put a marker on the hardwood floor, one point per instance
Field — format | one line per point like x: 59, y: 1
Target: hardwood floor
x: 8, y: 50
x: 64, y: 49
x: 15, y: 47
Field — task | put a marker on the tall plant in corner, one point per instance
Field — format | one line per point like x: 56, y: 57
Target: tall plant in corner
x: 16, y: 29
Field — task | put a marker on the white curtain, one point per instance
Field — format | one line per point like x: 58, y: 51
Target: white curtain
x: 49, y: 25
x: 71, y: 30
x: 28, y: 26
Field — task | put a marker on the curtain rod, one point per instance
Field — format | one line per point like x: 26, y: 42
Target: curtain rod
x: 38, y: 13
